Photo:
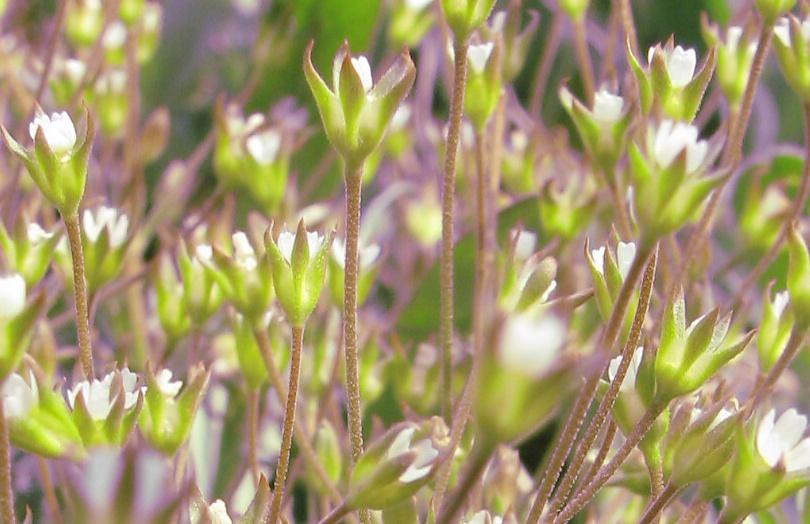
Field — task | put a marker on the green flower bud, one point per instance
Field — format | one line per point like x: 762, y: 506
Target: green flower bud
x: 356, y: 111
x: 668, y: 182
x: 688, y: 356
x: 603, y: 129
x: 66, y: 79
x: 792, y: 44
x: 798, y: 278
x: 423, y: 218
x: 130, y: 10
x: 528, y: 281
x: 608, y: 272
x: 150, y: 25
x: 247, y: 350
x: 763, y: 213
x: 483, y: 86
x: 17, y: 321
x: 165, y: 421
x: 111, y: 102
x: 735, y: 56
x: 299, y: 267
x: 244, y: 276
x: 566, y: 211
x: 38, y: 419
x: 29, y: 251
x: 575, y: 9
x: 775, y: 326
x: 104, y: 243
x: 170, y: 300
x: 114, y: 43
x: 84, y: 20
x: 770, y: 464
x: 330, y: 455
x: 410, y: 20
x: 57, y: 163
x: 202, y: 296
x: 397, y: 465
x: 368, y: 266
x: 770, y: 10
x: 105, y: 411
x: 670, y: 81
x: 465, y: 16
x: 518, y: 163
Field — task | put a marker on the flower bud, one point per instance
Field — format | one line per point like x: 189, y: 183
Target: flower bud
x: 368, y: 259
x: 150, y: 25
x: 792, y: 44
x: 299, y: 267
x: 202, y: 296
x: 465, y: 16
x: 66, y: 79
x: 247, y: 351
x: 397, y: 465
x: 29, y: 251
x: 84, y: 20
x: 356, y: 111
x: 575, y: 9
x: 410, y: 20
x: 330, y: 455
x: 114, y: 42
x: 130, y: 10
x: 483, y: 85
x: 735, y: 57
x: 111, y: 102
x: 17, y: 321
x: 104, y: 243
x: 775, y: 326
x: 57, y: 164
x: 170, y: 300
x: 527, y: 281
x: 165, y: 421
x: 566, y: 211
x: 798, y: 278
x: 770, y: 10
x: 608, y: 272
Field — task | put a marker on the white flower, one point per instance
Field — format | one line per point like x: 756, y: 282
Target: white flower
x: 598, y: 257
x: 531, y: 345
x: 114, y: 221
x: 483, y: 517
x: 18, y: 397
x: 165, y: 384
x: 782, y: 440
x: 607, y: 107
x: 625, y: 253
x: 417, y: 5
x: 36, y: 235
x: 237, y: 126
x: 243, y: 252
x: 782, y: 30
x: 363, y: 70
x: 721, y: 415
x: 401, y: 116
x: 111, y: 82
x: 629, y: 382
x: 60, y: 134
x: 425, y: 455
x: 680, y: 64
x: 367, y: 254
x: 733, y: 35
x: 780, y: 302
x: 74, y: 70
x: 96, y: 394
x: 218, y: 513
x: 264, y: 146
x: 204, y: 253
x: 525, y: 244
x: 286, y: 241
x: 478, y: 55
x: 12, y: 295
x: 670, y: 138
x: 115, y: 35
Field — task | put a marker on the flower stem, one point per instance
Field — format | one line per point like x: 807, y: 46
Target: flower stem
x: 479, y: 456
x: 47, y: 488
x: 289, y: 422
x: 448, y: 193
x: 658, y: 503
x: 628, y: 24
x: 252, y: 430
x: 576, y: 417
x: 336, y: 514
x: 6, y: 494
x: 607, y: 471
x: 612, y: 393
x: 80, y: 294
x: 794, y: 344
x: 583, y: 58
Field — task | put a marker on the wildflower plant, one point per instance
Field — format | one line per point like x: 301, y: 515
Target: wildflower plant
x: 498, y: 213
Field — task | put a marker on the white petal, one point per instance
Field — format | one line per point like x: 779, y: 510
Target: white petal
x: 607, y: 107
x: 285, y: 243
x: 36, y: 235
x: 18, y: 397
x: 12, y: 296
x: 766, y: 445
x: 788, y: 430
x: 218, y: 513
x: 782, y: 31
x: 798, y: 458
x: 363, y: 69
x: 264, y: 146
x: 314, y: 242
x: 650, y: 54
x: 478, y: 55
x: 530, y: 346
x: 204, y: 252
x: 733, y: 35
x: 401, y: 443
x: 368, y: 255
x: 625, y: 253
x: 417, y: 5
x: 598, y: 257
x: 780, y: 302
x: 115, y: 35
x: 525, y: 244
x: 681, y: 66
x: 167, y: 386
x: 243, y: 252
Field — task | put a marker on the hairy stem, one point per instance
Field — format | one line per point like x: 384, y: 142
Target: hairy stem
x: 475, y: 467
x: 658, y: 503
x: 608, y: 470
x: 603, y: 411
x: 577, y: 415
x: 252, y: 431
x: 583, y: 58
x: 601, y: 455
x: 626, y: 11
x: 336, y: 514
x: 289, y: 421
x: 448, y: 196
x: 6, y: 494
x: 80, y: 294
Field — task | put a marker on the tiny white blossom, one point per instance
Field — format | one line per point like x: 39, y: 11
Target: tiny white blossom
x: 363, y: 70
x: 96, y: 394
x: 478, y: 55
x: 670, y: 138
x: 218, y: 513
x: 625, y: 254
x: 286, y: 242
x: 607, y: 107
x: 204, y: 253
x: 425, y: 455
x: 781, y: 440
x: 243, y: 252
x: 525, y: 244
x: 74, y: 70
x: 59, y: 131
x: 166, y: 385
x: 780, y: 302
x: 36, y: 235
x: 18, y: 397
x: 367, y: 255
x: 401, y: 116
x: 417, y: 5
x: 531, y: 345
x: 721, y: 415
x: 629, y: 382
x: 115, y: 222
x: 680, y: 64
x: 782, y: 30
x: 111, y: 82
x: 264, y: 146
x: 12, y: 296
x: 115, y: 35
x: 733, y: 35
x: 598, y: 257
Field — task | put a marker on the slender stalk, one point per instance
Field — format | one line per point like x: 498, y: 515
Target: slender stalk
x: 731, y: 157
x: 612, y: 392
x: 601, y: 455
x: 448, y: 197
x: 628, y: 24
x: 697, y: 509
x: 475, y: 467
x: 80, y: 294
x: 583, y: 58
x: 47, y: 488
x: 797, y: 337
x: 620, y: 205
x: 6, y: 494
x: 550, y: 47
x: 252, y: 430
x: 576, y: 417
x: 336, y: 514
x: 609, y: 469
x: 289, y: 421
x: 658, y: 504
x: 304, y: 440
